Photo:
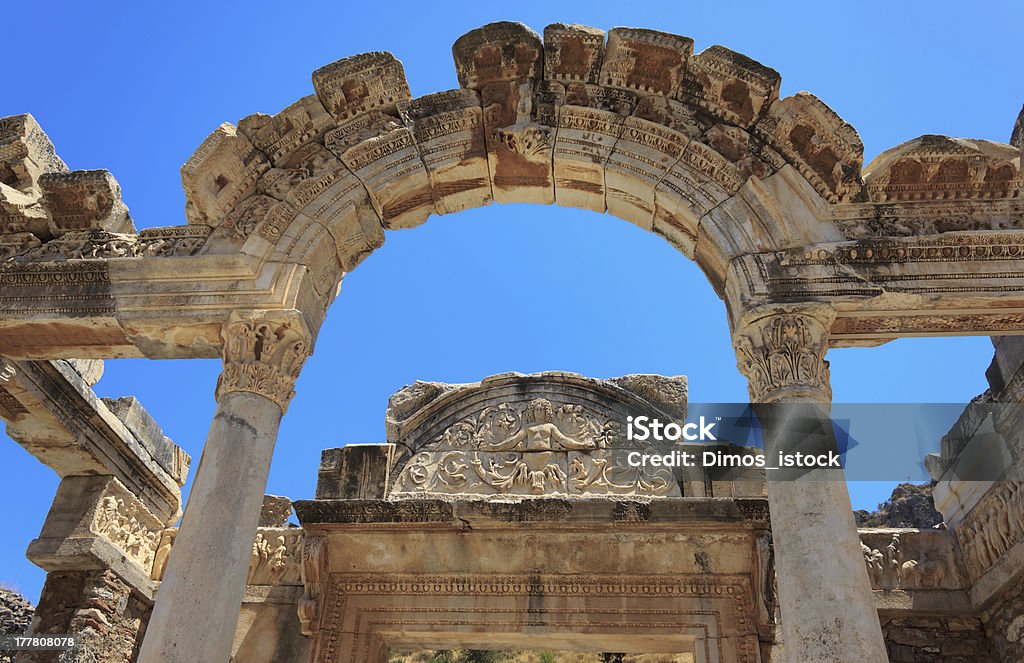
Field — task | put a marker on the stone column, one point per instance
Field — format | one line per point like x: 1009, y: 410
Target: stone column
x: 827, y: 609
x: 198, y: 603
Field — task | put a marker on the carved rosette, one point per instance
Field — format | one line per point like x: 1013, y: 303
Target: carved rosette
x: 781, y: 351
x: 263, y: 354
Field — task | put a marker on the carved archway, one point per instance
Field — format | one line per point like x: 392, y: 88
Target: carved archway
x: 767, y: 195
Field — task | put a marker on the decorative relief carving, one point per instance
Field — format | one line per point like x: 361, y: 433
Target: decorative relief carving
x: 647, y: 61
x: 909, y: 561
x: 826, y: 150
x: 529, y: 449
x: 314, y: 581
x: 123, y: 521
x: 351, y: 86
x: 718, y: 601
x: 573, y: 53
x: 868, y: 221
x: 730, y: 85
x: 263, y: 354
x: 92, y: 244
x: 782, y: 354
x: 276, y: 557
x: 502, y: 51
x: 993, y: 527
x: 942, y: 168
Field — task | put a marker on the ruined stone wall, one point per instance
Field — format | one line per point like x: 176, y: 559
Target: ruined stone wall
x: 937, y: 640
x: 100, y: 608
x: 1004, y: 624
x: 15, y: 617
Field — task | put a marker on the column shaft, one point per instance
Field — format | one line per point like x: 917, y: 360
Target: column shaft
x: 200, y: 598
x: 825, y: 598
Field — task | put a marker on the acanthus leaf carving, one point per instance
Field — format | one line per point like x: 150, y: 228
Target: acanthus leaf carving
x: 782, y: 353
x: 263, y: 354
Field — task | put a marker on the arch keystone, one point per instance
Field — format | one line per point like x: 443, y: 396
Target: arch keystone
x: 368, y: 81
x: 504, y: 62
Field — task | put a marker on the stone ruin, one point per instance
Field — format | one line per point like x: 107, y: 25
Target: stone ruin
x: 808, y: 248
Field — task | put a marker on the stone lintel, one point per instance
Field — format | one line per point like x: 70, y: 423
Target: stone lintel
x: 561, y: 512
x: 52, y: 412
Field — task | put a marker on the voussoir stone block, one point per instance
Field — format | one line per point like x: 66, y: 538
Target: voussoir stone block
x: 368, y: 81
x: 281, y: 135
x: 503, y: 62
x: 648, y: 61
x: 448, y: 128
x: 730, y: 85
x: 220, y: 174
x: 825, y: 149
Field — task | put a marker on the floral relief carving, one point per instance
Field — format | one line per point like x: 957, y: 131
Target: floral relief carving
x: 263, y: 354
x: 783, y: 353
x: 533, y: 448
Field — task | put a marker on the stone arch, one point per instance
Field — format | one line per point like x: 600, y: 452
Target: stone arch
x: 696, y: 148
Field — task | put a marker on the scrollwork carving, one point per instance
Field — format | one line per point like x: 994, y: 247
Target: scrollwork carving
x: 263, y: 354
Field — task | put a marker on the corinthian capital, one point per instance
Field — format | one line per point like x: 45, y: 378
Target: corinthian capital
x: 781, y: 350
x: 263, y: 354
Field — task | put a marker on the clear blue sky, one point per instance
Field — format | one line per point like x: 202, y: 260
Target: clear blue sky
x: 135, y: 89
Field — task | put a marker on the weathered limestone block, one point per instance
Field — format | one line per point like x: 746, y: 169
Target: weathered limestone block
x: 360, y: 83
x: 932, y: 639
x: 393, y: 172
x: 647, y: 61
x: 97, y: 523
x: 502, y: 61
x: 220, y: 174
x: 355, y: 472
x: 915, y: 562
x: 1004, y: 622
x: 318, y: 194
x: 583, y: 143
x: 168, y: 455
x: 26, y: 153
x: 672, y: 114
x: 279, y: 136
x: 84, y: 200
x: 643, y: 155
x: 448, y: 129
x: 825, y: 149
x: 573, y: 53
x: 107, y: 613
x: 51, y: 411
x: 748, y: 153
x: 275, y: 512
x: 697, y: 183
x: 937, y: 168
x: 730, y: 85
x: 15, y: 244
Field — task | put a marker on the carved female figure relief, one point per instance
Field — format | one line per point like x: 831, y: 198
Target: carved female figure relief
x: 539, y: 433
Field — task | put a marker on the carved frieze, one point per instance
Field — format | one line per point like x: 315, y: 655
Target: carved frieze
x: 911, y: 560
x: 263, y: 354
x: 276, y: 557
x: 573, y: 53
x: 529, y: 436
x: 993, y: 527
x: 647, y: 61
x: 730, y: 85
x: 172, y: 241
x: 125, y: 522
